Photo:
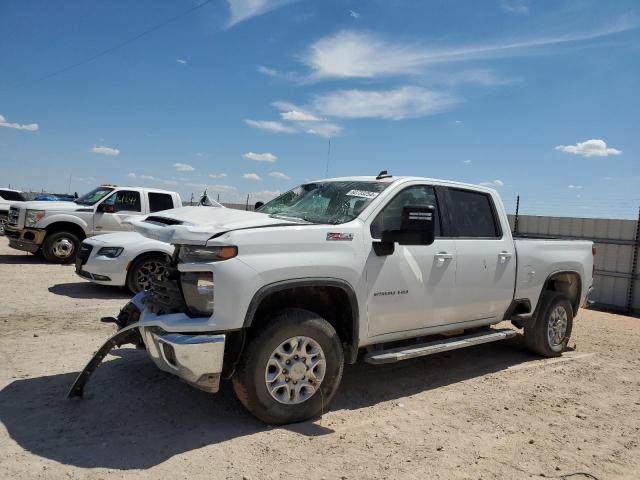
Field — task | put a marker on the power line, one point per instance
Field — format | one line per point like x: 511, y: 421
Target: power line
x: 116, y: 46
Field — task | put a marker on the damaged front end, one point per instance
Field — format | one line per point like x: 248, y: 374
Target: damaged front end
x: 195, y: 358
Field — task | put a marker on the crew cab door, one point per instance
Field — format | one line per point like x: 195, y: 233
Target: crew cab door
x: 114, y: 209
x: 486, y: 267
x: 413, y: 287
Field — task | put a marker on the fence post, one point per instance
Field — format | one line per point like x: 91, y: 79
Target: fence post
x: 634, y: 267
x: 515, y: 221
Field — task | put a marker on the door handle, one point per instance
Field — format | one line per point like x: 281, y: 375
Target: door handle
x: 504, y: 256
x: 442, y: 256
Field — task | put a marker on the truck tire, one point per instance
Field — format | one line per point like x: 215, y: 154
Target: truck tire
x: 550, y: 333
x: 143, y: 268
x: 290, y: 370
x: 60, y: 247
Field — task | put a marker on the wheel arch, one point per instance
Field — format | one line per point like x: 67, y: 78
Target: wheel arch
x: 64, y: 226
x: 333, y: 299
x: 567, y: 282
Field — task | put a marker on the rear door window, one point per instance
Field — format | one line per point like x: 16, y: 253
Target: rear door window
x: 125, y: 201
x: 472, y: 214
x: 160, y: 201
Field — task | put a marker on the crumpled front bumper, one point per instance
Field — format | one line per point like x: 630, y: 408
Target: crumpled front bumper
x: 26, y: 239
x: 197, y: 359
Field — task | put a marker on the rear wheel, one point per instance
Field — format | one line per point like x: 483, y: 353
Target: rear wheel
x: 550, y: 333
x: 290, y: 371
x: 60, y: 247
x: 144, y: 269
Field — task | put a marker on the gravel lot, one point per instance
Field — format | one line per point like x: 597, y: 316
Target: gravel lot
x: 492, y: 411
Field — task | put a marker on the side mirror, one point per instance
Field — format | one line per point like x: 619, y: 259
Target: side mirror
x: 416, y: 228
x: 258, y: 205
x: 104, y: 208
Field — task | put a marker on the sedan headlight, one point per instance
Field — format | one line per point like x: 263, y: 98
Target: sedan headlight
x: 197, y: 288
x: 194, y: 253
x: 111, y: 252
x: 32, y: 217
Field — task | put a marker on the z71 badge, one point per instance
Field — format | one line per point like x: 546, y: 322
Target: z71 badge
x: 339, y: 237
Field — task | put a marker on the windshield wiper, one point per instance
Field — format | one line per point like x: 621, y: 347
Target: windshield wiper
x: 288, y: 217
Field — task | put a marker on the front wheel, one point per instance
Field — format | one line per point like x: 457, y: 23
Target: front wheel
x: 60, y: 247
x: 144, y: 269
x: 3, y: 223
x: 290, y: 371
x: 550, y: 333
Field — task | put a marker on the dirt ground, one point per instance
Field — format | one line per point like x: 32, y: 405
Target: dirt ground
x: 491, y: 411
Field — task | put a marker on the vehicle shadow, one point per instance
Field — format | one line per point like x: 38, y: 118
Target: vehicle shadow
x: 26, y: 259
x: 134, y: 416
x: 89, y: 290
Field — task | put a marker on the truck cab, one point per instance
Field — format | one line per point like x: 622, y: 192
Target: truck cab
x: 57, y: 228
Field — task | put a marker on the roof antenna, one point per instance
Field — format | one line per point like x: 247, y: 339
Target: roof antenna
x: 383, y: 174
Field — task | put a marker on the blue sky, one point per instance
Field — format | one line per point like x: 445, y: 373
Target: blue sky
x: 538, y: 98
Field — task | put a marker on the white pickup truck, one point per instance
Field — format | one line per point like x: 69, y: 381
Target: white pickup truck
x: 57, y: 228
x: 280, y: 299
x: 8, y: 197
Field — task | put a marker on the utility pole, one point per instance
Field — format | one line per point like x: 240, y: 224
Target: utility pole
x: 326, y: 172
x: 515, y: 222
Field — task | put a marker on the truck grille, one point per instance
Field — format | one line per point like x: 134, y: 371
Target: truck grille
x: 83, y: 254
x: 164, y: 295
x: 14, y: 216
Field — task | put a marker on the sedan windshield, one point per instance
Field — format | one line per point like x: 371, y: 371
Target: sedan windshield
x: 324, y: 202
x: 94, y: 196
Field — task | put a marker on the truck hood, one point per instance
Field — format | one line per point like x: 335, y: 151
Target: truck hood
x: 56, y: 206
x: 196, y: 225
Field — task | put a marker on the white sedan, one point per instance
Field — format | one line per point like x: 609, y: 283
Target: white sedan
x: 122, y: 259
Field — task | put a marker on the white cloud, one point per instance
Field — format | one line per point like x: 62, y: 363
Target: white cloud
x: 324, y: 129
x: 270, y: 126
x: 299, y: 116
x: 354, y: 14
x: 351, y: 54
x: 494, y: 184
x: 467, y: 162
x: 131, y: 175
x: 241, y: 10
x: 280, y: 175
x: 181, y: 61
x: 146, y: 177
x: 515, y: 6
x: 578, y: 187
x: 32, y: 127
x: 589, y: 148
x: 102, y: 150
x: 251, y: 176
x: 183, y: 167
x: 404, y: 102
x: 217, y: 175
x: 458, y: 122
x: 260, y: 157
x: 222, y: 188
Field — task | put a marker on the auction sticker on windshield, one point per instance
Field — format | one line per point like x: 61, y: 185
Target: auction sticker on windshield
x: 362, y: 193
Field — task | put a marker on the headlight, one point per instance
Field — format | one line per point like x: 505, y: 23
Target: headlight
x: 110, y: 252
x: 32, y: 217
x: 197, y: 288
x: 193, y: 253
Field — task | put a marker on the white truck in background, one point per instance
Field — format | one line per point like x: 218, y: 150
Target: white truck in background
x: 126, y: 258
x: 379, y: 268
x: 57, y: 228
x: 8, y: 197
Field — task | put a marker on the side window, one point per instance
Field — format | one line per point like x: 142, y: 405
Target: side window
x: 160, y: 201
x: 391, y: 215
x: 125, y: 201
x: 472, y: 214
